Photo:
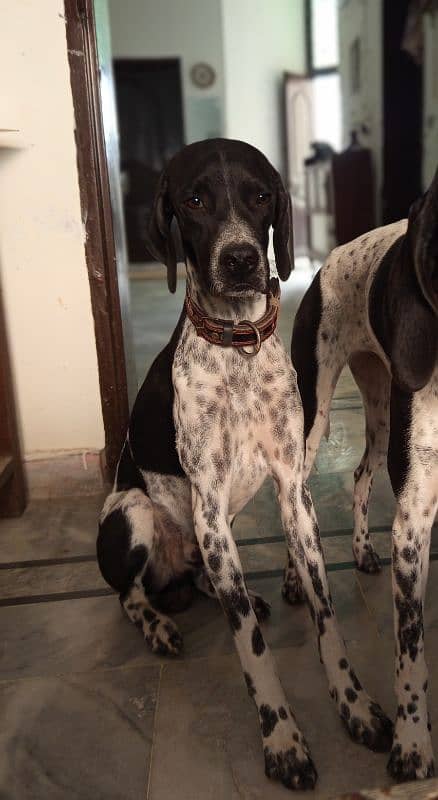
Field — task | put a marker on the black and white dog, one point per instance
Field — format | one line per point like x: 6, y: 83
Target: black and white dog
x: 374, y: 305
x: 218, y: 412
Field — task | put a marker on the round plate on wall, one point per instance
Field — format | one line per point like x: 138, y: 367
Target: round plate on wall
x: 202, y: 75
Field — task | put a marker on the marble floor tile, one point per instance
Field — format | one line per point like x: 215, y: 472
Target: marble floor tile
x: 84, y: 635
x: 48, y: 580
x: 51, y: 529
x: 204, y: 709
x: 86, y: 737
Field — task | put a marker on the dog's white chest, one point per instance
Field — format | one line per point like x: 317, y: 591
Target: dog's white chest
x: 233, y: 415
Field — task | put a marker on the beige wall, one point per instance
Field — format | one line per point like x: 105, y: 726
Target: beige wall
x: 42, y: 261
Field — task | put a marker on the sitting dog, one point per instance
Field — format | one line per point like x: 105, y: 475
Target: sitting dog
x: 218, y: 412
x: 374, y: 305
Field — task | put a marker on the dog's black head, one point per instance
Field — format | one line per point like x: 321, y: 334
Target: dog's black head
x: 225, y: 196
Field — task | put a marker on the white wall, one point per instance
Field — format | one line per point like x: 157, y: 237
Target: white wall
x: 185, y: 29
x: 261, y: 41
x: 43, y: 271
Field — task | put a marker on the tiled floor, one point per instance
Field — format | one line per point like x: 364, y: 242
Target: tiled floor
x: 88, y: 712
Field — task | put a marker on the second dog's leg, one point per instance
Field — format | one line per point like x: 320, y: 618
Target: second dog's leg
x: 373, y: 381
x: 318, y: 365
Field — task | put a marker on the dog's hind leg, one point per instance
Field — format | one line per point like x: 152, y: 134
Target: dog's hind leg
x: 373, y: 381
x: 124, y: 548
x: 292, y: 590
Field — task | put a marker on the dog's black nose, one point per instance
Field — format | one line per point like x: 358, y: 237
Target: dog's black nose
x: 239, y: 257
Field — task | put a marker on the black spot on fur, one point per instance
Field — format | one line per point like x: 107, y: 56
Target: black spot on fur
x: 214, y: 562
x: 118, y: 563
x: 355, y: 681
x: 351, y: 695
x: 249, y: 684
x: 268, y: 719
x: 258, y: 645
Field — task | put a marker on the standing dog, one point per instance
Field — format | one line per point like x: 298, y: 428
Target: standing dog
x: 218, y: 412
x: 374, y: 305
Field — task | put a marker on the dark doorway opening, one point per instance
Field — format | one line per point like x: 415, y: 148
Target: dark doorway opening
x: 151, y: 125
x: 403, y: 117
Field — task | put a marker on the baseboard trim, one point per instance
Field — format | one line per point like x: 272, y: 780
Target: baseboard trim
x: 65, y: 473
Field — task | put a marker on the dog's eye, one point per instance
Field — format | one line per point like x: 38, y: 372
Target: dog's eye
x: 263, y: 197
x: 194, y: 202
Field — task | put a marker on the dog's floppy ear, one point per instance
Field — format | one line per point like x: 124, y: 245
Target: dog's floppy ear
x: 283, y: 231
x: 423, y: 230
x: 160, y: 239
x: 414, y: 297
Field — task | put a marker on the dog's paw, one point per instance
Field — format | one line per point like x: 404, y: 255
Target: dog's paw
x: 294, y: 770
x: 292, y: 591
x: 367, y: 724
x: 368, y: 561
x: 287, y: 755
x: 412, y: 754
x: 163, y: 637
x: 410, y: 765
x: 261, y: 608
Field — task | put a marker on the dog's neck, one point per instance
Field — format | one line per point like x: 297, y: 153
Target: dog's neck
x: 235, y: 308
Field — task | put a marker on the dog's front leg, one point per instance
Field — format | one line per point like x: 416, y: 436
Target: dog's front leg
x: 363, y: 718
x: 286, y: 753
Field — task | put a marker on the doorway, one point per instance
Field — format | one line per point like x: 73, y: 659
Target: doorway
x: 151, y: 126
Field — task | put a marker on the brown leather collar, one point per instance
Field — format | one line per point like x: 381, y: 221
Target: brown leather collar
x: 226, y: 333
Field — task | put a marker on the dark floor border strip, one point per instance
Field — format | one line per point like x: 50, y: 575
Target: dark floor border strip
x: 346, y: 407
x: 250, y: 541
x: 48, y: 562
x: 324, y: 535
x: 249, y: 576
x: 338, y: 566
x: 55, y: 562
x: 51, y: 598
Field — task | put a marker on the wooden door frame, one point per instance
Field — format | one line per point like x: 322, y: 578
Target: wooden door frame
x: 100, y: 248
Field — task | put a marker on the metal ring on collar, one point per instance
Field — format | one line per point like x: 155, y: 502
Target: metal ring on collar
x: 257, y: 344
